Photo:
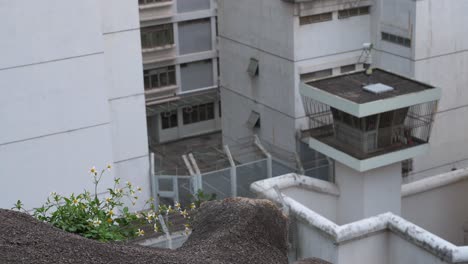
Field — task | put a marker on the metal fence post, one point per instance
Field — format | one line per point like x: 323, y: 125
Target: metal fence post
x: 233, y: 171
x: 175, y: 188
x: 198, y: 176
x: 258, y: 143
x: 190, y: 169
x: 154, y: 181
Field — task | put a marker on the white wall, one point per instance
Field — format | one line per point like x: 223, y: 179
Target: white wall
x: 367, y: 194
x: 438, y: 56
x: 322, y: 203
x: 72, y: 97
x: 331, y: 37
x: 313, y: 243
x: 441, y: 211
x: 123, y: 64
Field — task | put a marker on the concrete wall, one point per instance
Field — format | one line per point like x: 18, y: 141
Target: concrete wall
x: 438, y: 56
x: 311, y: 242
x: 367, y: 194
x: 75, y: 97
x: 441, y: 210
x: 441, y: 58
x: 331, y: 37
x: 322, y: 203
x: 123, y: 65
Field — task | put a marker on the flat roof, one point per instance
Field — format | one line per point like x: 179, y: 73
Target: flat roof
x: 345, y: 92
x: 350, y: 86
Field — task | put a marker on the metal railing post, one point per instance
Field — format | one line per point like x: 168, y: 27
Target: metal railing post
x: 175, y: 187
x: 192, y: 174
x: 233, y: 171
x: 198, y: 176
x: 166, y: 231
x: 299, y: 164
x: 154, y: 181
x: 258, y: 143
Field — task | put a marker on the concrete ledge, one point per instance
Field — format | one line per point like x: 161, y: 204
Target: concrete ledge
x: 295, y: 180
x: 434, y: 182
x: 387, y: 222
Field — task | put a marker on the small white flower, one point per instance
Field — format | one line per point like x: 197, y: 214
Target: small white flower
x: 93, y: 171
x: 140, y: 232
x: 96, y: 222
x: 75, y: 202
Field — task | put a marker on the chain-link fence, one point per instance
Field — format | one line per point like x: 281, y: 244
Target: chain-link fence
x: 229, y: 171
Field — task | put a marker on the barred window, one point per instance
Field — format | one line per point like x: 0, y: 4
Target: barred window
x: 348, y: 68
x: 146, y: 2
x: 358, y: 11
x: 315, y: 18
x: 169, y: 119
x: 198, y: 113
x: 402, y: 41
x: 157, y: 36
x: 159, y: 77
x: 316, y: 75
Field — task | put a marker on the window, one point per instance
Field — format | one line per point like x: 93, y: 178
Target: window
x: 348, y: 68
x: 253, y: 67
x: 195, y: 36
x: 146, y: 2
x: 316, y: 74
x: 315, y: 18
x: 157, y: 36
x: 169, y: 119
x: 160, y: 77
x: 358, y: 11
x: 396, y: 39
x: 198, y: 113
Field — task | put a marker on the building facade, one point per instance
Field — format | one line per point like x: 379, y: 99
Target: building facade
x: 267, y: 48
x: 71, y: 97
x: 179, y: 48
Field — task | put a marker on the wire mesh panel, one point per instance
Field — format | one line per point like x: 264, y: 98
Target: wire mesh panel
x: 321, y: 172
x: 218, y: 183
x: 184, y: 191
x: 248, y: 174
x: 369, y: 136
x: 279, y: 168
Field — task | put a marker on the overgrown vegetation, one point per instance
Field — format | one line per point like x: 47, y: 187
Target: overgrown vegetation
x: 108, y: 218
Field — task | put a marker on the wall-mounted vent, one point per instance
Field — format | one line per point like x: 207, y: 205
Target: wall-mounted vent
x: 254, y: 120
x: 377, y: 88
x: 253, y: 67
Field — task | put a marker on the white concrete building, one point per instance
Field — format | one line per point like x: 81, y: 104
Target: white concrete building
x: 180, y: 63
x: 431, y: 228
x: 284, y: 43
x: 71, y: 97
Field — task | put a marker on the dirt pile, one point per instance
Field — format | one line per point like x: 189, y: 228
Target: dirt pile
x: 235, y: 230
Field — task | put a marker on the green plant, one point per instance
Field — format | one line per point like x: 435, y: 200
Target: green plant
x: 104, y: 219
x: 201, y: 197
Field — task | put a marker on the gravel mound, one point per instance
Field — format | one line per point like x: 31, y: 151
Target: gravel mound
x: 236, y: 230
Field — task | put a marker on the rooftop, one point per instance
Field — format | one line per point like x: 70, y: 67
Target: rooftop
x: 350, y: 86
